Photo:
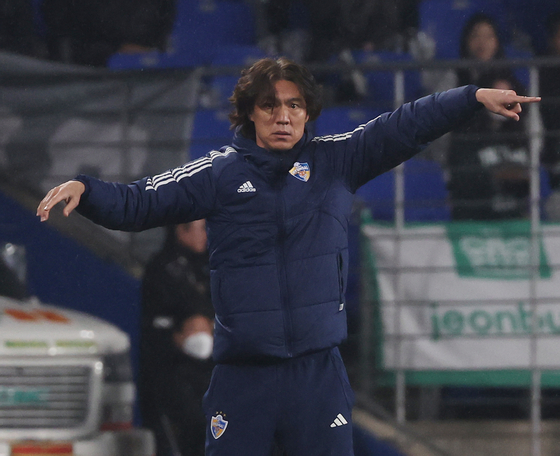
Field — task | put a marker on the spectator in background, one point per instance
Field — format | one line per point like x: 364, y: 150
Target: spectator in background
x: 88, y: 32
x: 318, y: 38
x: 488, y: 162
x: 336, y: 28
x: 550, y: 113
x: 176, y: 341
x: 480, y: 40
x: 336, y: 25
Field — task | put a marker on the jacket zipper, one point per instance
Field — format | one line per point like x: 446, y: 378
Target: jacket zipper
x: 280, y: 254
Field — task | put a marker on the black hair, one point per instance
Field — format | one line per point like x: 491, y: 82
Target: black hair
x: 257, y: 83
x: 475, y: 19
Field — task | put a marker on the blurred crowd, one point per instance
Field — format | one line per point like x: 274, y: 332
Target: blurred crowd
x: 85, y: 32
x: 492, y: 182
x: 89, y: 31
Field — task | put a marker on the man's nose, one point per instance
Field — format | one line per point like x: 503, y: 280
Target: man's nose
x: 282, y: 115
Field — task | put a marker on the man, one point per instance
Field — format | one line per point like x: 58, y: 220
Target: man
x: 277, y: 204
x: 176, y: 341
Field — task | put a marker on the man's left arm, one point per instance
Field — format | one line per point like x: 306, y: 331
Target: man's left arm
x: 394, y: 137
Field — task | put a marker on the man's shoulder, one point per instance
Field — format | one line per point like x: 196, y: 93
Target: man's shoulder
x: 223, y: 160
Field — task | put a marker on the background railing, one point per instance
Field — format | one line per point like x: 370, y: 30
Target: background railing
x: 59, y: 120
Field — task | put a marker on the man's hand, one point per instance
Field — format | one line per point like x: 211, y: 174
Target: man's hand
x: 69, y: 192
x: 504, y: 102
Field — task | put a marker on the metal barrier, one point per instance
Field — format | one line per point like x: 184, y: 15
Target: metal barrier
x: 125, y: 125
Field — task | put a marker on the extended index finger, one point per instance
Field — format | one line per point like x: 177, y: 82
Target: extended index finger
x: 524, y: 99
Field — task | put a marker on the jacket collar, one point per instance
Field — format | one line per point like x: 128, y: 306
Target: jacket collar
x: 273, y: 164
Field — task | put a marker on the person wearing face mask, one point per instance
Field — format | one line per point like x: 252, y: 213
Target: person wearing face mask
x: 176, y: 341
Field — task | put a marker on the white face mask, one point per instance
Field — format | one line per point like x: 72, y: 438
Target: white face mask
x: 199, y: 345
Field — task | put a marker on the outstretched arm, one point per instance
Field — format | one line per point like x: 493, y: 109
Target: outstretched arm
x: 175, y: 196
x: 504, y: 102
x: 392, y: 138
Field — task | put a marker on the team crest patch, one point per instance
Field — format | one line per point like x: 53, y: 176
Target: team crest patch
x: 301, y: 171
x: 218, y: 426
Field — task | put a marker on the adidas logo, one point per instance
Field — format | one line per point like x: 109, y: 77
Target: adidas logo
x: 339, y: 421
x: 247, y: 187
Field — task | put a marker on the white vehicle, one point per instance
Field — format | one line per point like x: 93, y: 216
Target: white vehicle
x: 66, y: 385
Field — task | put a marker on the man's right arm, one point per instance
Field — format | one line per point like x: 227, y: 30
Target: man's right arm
x: 136, y: 206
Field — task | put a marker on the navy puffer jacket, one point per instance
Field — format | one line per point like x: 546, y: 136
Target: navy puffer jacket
x: 278, y: 223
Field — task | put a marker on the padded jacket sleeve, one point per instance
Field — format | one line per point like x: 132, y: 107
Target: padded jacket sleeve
x: 392, y: 138
x: 176, y: 196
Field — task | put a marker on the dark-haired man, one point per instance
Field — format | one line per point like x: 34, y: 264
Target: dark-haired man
x: 277, y: 203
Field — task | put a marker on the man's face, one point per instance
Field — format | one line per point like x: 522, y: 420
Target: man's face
x: 280, y: 123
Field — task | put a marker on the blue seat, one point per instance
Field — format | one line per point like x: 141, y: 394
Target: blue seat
x: 521, y: 73
x: 123, y: 61
x: 381, y: 84
x: 342, y: 119
x: 203, y: 32
x: 202, y: 26
x: 426, y: 195
x: 242, y: 55
x: 151, y: 60
x: 211, y: 130
x: 237, y: 54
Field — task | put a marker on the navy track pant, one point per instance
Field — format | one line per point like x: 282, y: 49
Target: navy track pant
x: 304, y: 404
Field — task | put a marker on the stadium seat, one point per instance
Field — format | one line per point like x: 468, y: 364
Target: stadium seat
x: 342, y: 119
x: 425, y: 193
x: 381, y: 84
x: 237, y: 54
x: 521, y: 73
x: 241, y: 55
x: 211, y: 130
x: 140, y: 60
x: 152, y: 60
x: 202, y: 26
